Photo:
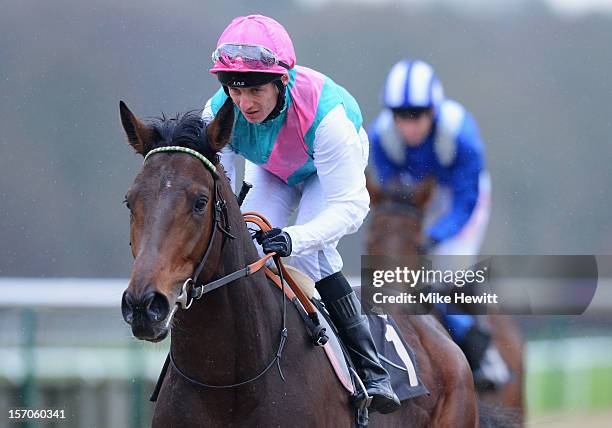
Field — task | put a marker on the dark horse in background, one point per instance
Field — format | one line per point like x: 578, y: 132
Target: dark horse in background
x: 232, y: 334
x: 403, y: 210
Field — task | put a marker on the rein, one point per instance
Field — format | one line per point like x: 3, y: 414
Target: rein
x: 186, y: 298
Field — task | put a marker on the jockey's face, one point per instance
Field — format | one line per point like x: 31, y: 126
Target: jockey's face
x: 414, y: 129
x: 256, y: 102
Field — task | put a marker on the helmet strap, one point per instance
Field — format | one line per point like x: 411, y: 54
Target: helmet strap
x: 280, y: 101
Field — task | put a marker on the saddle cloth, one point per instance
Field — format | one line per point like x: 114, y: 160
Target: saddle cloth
x: 395, y: 354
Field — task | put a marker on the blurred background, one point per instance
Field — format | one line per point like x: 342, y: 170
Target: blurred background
x: 534, y: 73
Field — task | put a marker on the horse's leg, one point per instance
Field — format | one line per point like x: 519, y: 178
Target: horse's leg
x: 456, y: 404
x: 509, y: 341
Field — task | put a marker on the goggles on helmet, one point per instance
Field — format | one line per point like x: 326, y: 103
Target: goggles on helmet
x: 251, y: 57
x: 410, y: 113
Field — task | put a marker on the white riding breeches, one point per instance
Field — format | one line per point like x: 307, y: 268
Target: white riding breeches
x: 277, y: 201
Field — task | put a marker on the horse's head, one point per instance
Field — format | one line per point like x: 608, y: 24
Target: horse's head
x: 171, y: 205
x: 396, y: 222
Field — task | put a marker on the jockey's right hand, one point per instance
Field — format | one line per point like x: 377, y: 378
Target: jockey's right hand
x: 275, y: 240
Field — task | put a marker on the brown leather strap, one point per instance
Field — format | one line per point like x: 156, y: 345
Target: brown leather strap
x: 255, y: 217
x: 298, y: 291
x: 255, y: 266
x: 276, y: 280
x: 261, y: 222
x: 264, y: 224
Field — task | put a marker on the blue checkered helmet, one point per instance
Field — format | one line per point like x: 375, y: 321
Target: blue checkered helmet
x: 412, y: 84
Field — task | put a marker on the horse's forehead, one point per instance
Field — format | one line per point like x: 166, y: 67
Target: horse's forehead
x: 176, y: 174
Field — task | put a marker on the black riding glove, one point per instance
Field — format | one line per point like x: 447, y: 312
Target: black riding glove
x: 275, y: 240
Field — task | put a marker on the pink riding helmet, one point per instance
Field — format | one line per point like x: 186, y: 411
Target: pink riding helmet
x: 254, y: 43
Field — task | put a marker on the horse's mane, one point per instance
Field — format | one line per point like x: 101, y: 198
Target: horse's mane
x: 184, y: 130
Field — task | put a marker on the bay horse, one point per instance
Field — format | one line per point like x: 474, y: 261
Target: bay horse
x: 184, y: 217
x: 402, y: 209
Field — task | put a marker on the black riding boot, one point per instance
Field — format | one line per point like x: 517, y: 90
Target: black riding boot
x: 488, y: 367
x: 354, y: 331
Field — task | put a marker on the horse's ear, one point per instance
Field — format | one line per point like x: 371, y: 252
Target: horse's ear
x: 219, y: 130
x: 140, y: 136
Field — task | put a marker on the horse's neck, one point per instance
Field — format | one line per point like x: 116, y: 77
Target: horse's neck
x: 228, y: 333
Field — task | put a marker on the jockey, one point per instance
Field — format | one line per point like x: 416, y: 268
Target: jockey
x: 420, y: 134
x: 305, y: 149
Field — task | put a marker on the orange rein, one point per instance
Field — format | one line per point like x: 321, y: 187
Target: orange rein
x: 264, y: 225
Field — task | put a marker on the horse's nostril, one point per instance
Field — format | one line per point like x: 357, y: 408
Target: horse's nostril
x: 153, y: 306
x: 127, y: 307
x: 158, y: 307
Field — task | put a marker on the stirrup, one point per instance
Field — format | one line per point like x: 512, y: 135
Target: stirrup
x: 359, y: 401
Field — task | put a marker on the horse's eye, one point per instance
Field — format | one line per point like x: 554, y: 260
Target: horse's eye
x: 200, y: 203
x: 127, y: 204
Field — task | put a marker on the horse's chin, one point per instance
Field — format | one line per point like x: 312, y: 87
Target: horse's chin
x: 163, y: 334
x: 151, y: 332
x: 157, y: 335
